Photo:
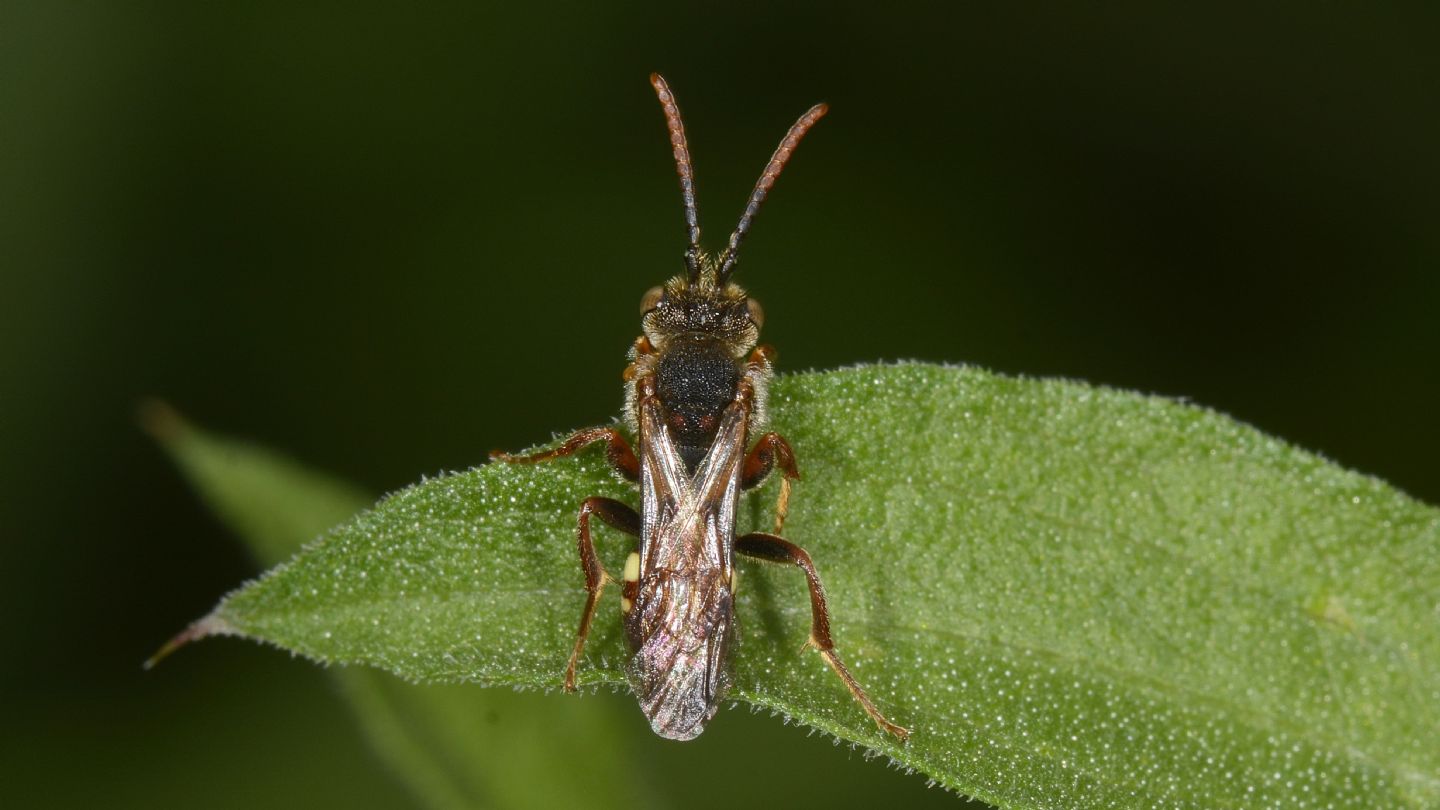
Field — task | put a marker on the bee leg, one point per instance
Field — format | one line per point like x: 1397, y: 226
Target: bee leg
x: 772, y: 450
x: 763, y: 358
x: 614, y: 514
x: 774, y: 549
x: 617, y: 451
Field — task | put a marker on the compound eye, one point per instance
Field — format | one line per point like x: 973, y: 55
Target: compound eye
x: 651, y: 299
x: 757, y: 314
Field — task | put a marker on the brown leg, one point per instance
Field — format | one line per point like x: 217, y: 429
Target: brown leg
x: 618, y: 451
x: 641, y: 348
x: 770, y: 451
x: 763, y: 356
x: 774, y: 549
x: 619, y: 516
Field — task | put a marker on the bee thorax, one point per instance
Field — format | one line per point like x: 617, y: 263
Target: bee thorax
x: 695, y: 380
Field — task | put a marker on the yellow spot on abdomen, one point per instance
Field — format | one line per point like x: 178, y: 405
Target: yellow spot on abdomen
x: 632, y: 567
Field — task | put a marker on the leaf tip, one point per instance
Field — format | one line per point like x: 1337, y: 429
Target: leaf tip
x: 211, y: 625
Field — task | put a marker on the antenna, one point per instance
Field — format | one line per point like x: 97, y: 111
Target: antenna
x: 682, y: 168
x: 762, y: 186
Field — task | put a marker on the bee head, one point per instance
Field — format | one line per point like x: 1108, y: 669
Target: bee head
x: 699, y: 307
x: 703, y: 303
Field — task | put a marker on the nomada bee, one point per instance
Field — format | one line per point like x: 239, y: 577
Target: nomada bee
x: 695, y: 392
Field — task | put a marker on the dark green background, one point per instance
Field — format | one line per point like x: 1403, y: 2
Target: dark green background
x: 391, y: 239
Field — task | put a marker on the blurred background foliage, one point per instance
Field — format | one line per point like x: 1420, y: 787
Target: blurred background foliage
x: 391, y: 238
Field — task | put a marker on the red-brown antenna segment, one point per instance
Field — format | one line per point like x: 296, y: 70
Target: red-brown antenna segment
x: 682, y: 168
x: 762, y: 186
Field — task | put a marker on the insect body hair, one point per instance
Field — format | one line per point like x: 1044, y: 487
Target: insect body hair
x: 697, y: 344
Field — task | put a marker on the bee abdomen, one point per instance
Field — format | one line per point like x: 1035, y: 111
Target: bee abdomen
x: 679, y: 667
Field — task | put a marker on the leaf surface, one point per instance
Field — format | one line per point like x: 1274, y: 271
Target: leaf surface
x: 1074, y: 596
x: 456, y: 747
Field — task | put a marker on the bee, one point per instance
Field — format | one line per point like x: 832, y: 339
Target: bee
x: 695, y: 394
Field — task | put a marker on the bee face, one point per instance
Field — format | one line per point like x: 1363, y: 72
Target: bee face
x: 686, y: 310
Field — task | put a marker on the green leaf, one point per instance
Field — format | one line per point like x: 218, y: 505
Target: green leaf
x: 1075, y: 597
x: 272, y: 502
x: 456, y: 747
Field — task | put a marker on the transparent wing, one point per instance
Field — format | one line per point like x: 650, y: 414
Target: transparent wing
x: 681, y: 624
